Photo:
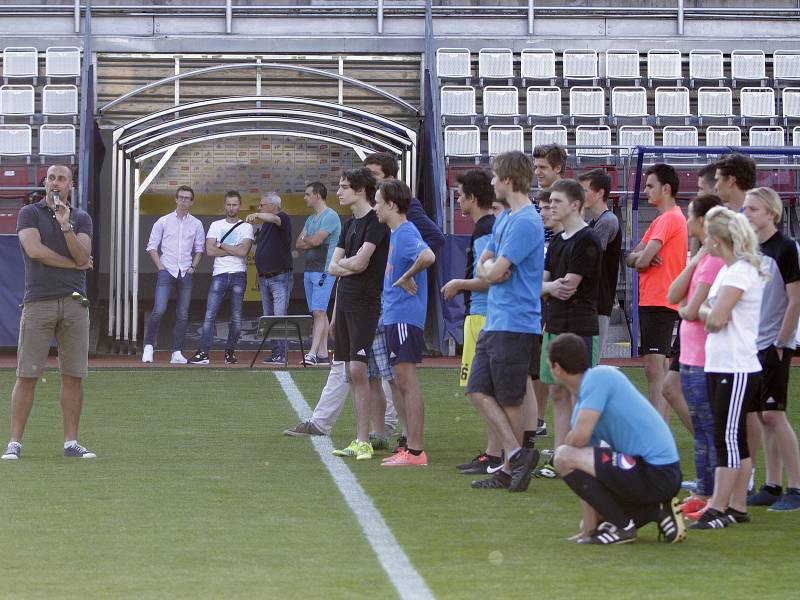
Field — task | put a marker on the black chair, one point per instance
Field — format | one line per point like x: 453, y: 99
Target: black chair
x: 279, y: 328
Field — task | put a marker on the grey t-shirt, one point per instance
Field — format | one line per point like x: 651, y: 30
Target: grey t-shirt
x: 43, y: 282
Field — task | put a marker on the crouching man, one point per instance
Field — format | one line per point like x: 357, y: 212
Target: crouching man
x: 619, y: 457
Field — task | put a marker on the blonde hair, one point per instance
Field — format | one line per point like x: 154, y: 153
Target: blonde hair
x: 771, y: 201
x: 735, y: 230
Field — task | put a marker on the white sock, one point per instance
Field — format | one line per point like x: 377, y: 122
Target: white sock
x: 70, y: 443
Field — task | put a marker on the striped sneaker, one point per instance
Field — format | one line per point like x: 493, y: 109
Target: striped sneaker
x: 12, y: 451
x: 78, y: 451
x: 364, y: 451
x: 711, y: 519
x: 351, y: 450
x: 608, y: 533
x: 671, y: 528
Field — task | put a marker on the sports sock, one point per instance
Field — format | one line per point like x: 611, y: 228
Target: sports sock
x: 528, y: 439
x: 414, y: 452
x: 70, y: 443
x: 597, y: 496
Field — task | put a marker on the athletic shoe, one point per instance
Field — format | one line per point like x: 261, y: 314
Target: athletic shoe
x: 323, y: 360
x: 396, y: 452
x: 378, y: 442
x: 364, y: 451
x: 546, y: 471
x: 736, y: 516
x: 78, y: 451
x: 541, y: 430
x: 548, y: 453
x: 693, y: 504
x: 12, y: 451
x: 199, y: 358
x: 521, y: 468
x: 147, y: 353
x: 230, y: 357
x: 671, y: 528
x: 309, y: 360
x: 304, y: 429
x: 178, y: 358
x: 482, y: 464
x: 276, y: 360
x: 764, y: 497
x: 711, y: 519
x: 500, y: 480
x: 351, y: 450
x: 695, y: 516
x: 789, y: 501
x: 406, y: 459
x: 608, y: 533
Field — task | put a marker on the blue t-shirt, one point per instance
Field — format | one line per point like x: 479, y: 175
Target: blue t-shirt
x: 479, y: 300
x: 515, y: 304
x: 319, y: 257
x: 628, y: 422
x: 405, y: 245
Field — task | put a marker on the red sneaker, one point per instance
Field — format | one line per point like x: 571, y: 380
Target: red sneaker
x: 406, y: 459
x: 695, y: 516
x: 394, y: 455
x: 692, y: 505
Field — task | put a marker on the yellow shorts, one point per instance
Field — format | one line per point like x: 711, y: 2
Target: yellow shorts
x: 473, y: 325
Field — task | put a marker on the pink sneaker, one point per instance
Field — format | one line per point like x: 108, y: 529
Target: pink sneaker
x: 386, y: 459
x: 692, y: 505
x: 406, y: 459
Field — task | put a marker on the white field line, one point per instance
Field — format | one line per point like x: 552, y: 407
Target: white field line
x: 404, y: 577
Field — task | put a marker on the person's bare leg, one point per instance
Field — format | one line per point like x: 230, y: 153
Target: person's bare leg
x: 497, y: 420
x: 655, y: 369
x: 494, y: 446
x: 562, y: 410
x: 21, y: 403
x: 359, y: 383
x: 399, y: 405
x: 725, y: 480
x: 71, y: 403
x: 541, y: 390
x: 413, y: 407
x: 530, y: 408
x: 738, y: 497
x: 377, y: 406
x: 673, y: 394
x: 786, y: 448
x: 319, y: 341
x: 754, y: 434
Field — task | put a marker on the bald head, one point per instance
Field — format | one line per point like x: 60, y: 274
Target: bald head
x: 59, y: 179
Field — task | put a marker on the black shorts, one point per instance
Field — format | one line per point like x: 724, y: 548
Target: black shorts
x: 656, y: 324
x: 730, y: 395
x: 403, y: 343
x: 354, y: 332
x: 633, y: 481
x: 536, y: 356
x: 500, y: 367
x: 674, y: 365
x: 774, y: 388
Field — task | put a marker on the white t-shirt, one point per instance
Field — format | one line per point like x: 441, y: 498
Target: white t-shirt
x: 230, y: 264
x: 733, y: 348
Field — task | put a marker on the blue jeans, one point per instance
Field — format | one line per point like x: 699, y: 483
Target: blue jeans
x: 220, y: 285
x: 164, y: 284
x: 695, y: 389
x: 275, y: 292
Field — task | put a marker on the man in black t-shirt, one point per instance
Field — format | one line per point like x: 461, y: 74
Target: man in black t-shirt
x: 571, y: 281
x: 360, y: 262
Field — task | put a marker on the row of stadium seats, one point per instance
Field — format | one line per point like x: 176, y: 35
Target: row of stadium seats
x: 20, y: 100
x: 620, y: 64
x: 23, y: 62
x: 465, y: 140
x: 626, y: 102
x: 54, y: 140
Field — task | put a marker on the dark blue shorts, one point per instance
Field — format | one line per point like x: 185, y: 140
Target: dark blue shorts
x: 403, y: 343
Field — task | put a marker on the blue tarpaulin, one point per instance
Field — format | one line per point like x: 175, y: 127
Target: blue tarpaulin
x: 12, y: 288
x: 454, y: 265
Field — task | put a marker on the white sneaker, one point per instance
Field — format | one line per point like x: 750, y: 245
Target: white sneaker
x: 147, y: 354
x: 178, y: 358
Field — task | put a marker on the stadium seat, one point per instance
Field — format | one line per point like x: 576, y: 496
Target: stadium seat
x: 706, y: 65
x: 457, y: 100
x: 453, y: 62
x: 580, y: 64
x: 679, y: 136
x: 635, y: 135
x: 587, y: 102
x: 790, y: 103
x: 672, y: 102
x: 771, y: 136
x: 629, y: 102
x: 505, y: 138
x: 786, y: 65
x: 538, y: 63
x: 593, y: 135
x: 62, y: 62
x: 57, y: 140
x: 462, y: 140
x: 495, y: 63
x: 500, y: 101
x: 623, y: 64
x: 714, y: 103
x: 16, y: 100
x: 664, y: 64
x: 542, y: 135
x: 15, y: 140
x: 757, y: 102
x: 20, y: 62
x: 723, y: 136
x: 59, y: 100
x: 543, y: 101
x: 796, y: 136
x: 748, y: 65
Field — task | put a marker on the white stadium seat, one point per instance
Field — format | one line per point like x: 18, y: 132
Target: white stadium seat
x: 15, y: 140
x: 495, y: 63
x: 453, y: 62
x: 714, y: 102
x: 748, y: 64
x: 786, y: 65
x: 16, y: 100
x: 757, y: 102
x: 462, y: 140
x: 767, y: 136
x: 586, y: 102
x: 537, y: 63
x: 20, y: 62
x: 543, y: 101
x: 500, y: 101
x: 505, y: 138
x: 672, y: 102
x: 664, y: 64
x: 62, y: 62
x: 457, y: 100
x: 593, y: 135
x: 723, y: 136
x: 628, y: 102
x: 706, y: 64
x: 622, y: 64
x: 56, y: 140
x: 542, y: 135
x: 580, y: 64
x: 636, y: 135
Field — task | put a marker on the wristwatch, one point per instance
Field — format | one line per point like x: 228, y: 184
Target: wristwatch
x: 68, y: 229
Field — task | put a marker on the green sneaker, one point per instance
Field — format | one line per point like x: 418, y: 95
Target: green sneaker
x: 351, y: 450
x: 378, y: 441
x: 364, y: 451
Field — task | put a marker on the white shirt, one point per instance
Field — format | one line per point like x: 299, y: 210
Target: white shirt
x: 178, y: 240
x: 733, y: 348
x: 230, y: 264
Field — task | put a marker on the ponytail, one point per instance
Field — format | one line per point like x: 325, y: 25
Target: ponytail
x: 735, y: 230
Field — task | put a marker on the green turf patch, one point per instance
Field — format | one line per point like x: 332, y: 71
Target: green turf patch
x: 195, y: 493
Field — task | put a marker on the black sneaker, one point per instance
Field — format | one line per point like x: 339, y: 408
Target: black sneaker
x: 479, y: 464
x: 304, y: 429
x: 608, y: 533
x: 230, y: 357
x: 671, y: 528
x: 500, y: 480
x: 736, y: 516
x: 199, y: 358
x: 541, y: 430
x: 766, y: 496
x: 402, y: 444
x: 711, y: 519
x: 521, y: 468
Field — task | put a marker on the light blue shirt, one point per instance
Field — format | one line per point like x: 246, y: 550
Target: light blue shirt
x: 478, y: 300
x: 628, y: 422
x: 515, y: 304
x: 405, y: 245
x: 318, y: 258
